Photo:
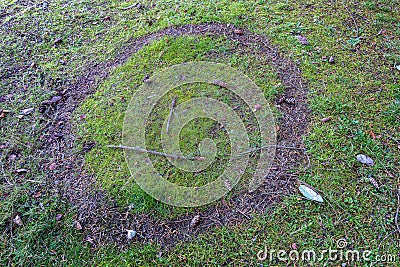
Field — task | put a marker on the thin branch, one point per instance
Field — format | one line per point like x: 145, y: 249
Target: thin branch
x: 396, y: 218
x: 170, y: 114
x: 131, y: 6
x: 139, y: 149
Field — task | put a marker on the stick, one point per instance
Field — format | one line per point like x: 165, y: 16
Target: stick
x: 131, y: 6
x: 170, y: 114
x: 139, y: 149
x: 396, y: 218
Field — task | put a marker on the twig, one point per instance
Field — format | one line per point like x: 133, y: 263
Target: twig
x: 396, y: 218
x: 131, y: 6
x: 244, y: 214
x: 139, y: 149
x: 389, y: 234
x: 170, y: 114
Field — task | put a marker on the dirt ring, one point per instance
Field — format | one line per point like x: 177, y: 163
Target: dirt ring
x: 102, y: 220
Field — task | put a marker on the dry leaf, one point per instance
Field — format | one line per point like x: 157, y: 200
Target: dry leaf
x: 303, y: 40
x: 131, y: 234
x: 53, y: 100
x: 78, y: 225
x: 373, y: 181
x: 3, y: 113
x: 257, y: 107
x: 310, y: 193
x: 365, y: 159
x: 26, y: 111
x: 371, y: 134
x: 195, y: 221
x: 326, y: 119
x: 17, y: 220
x: 4, y: 98
x: 237, y: 31
x: 52, y: 166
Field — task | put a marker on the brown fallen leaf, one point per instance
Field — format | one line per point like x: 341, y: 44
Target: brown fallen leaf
x: 3, y: 113
x: 371, y: 134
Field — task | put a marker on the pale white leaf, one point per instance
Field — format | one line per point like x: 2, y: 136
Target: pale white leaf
x: 131, y: 234
x: 365, y: 159
x: 27, y: 111
x: 310, y: 194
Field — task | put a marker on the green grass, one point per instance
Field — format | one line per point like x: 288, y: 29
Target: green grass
x: 360, y: 92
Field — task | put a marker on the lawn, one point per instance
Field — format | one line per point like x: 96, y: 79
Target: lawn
x: 70, y: 69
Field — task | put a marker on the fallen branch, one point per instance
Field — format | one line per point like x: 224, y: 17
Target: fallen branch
x: 131, y: 6
x: 139, y: 149
x: 396, y: 218
x: 153, y: 152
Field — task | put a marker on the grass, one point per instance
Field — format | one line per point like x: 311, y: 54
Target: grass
x: 360, y: 93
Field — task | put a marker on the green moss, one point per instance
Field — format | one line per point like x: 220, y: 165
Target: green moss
x: 104, y: 114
